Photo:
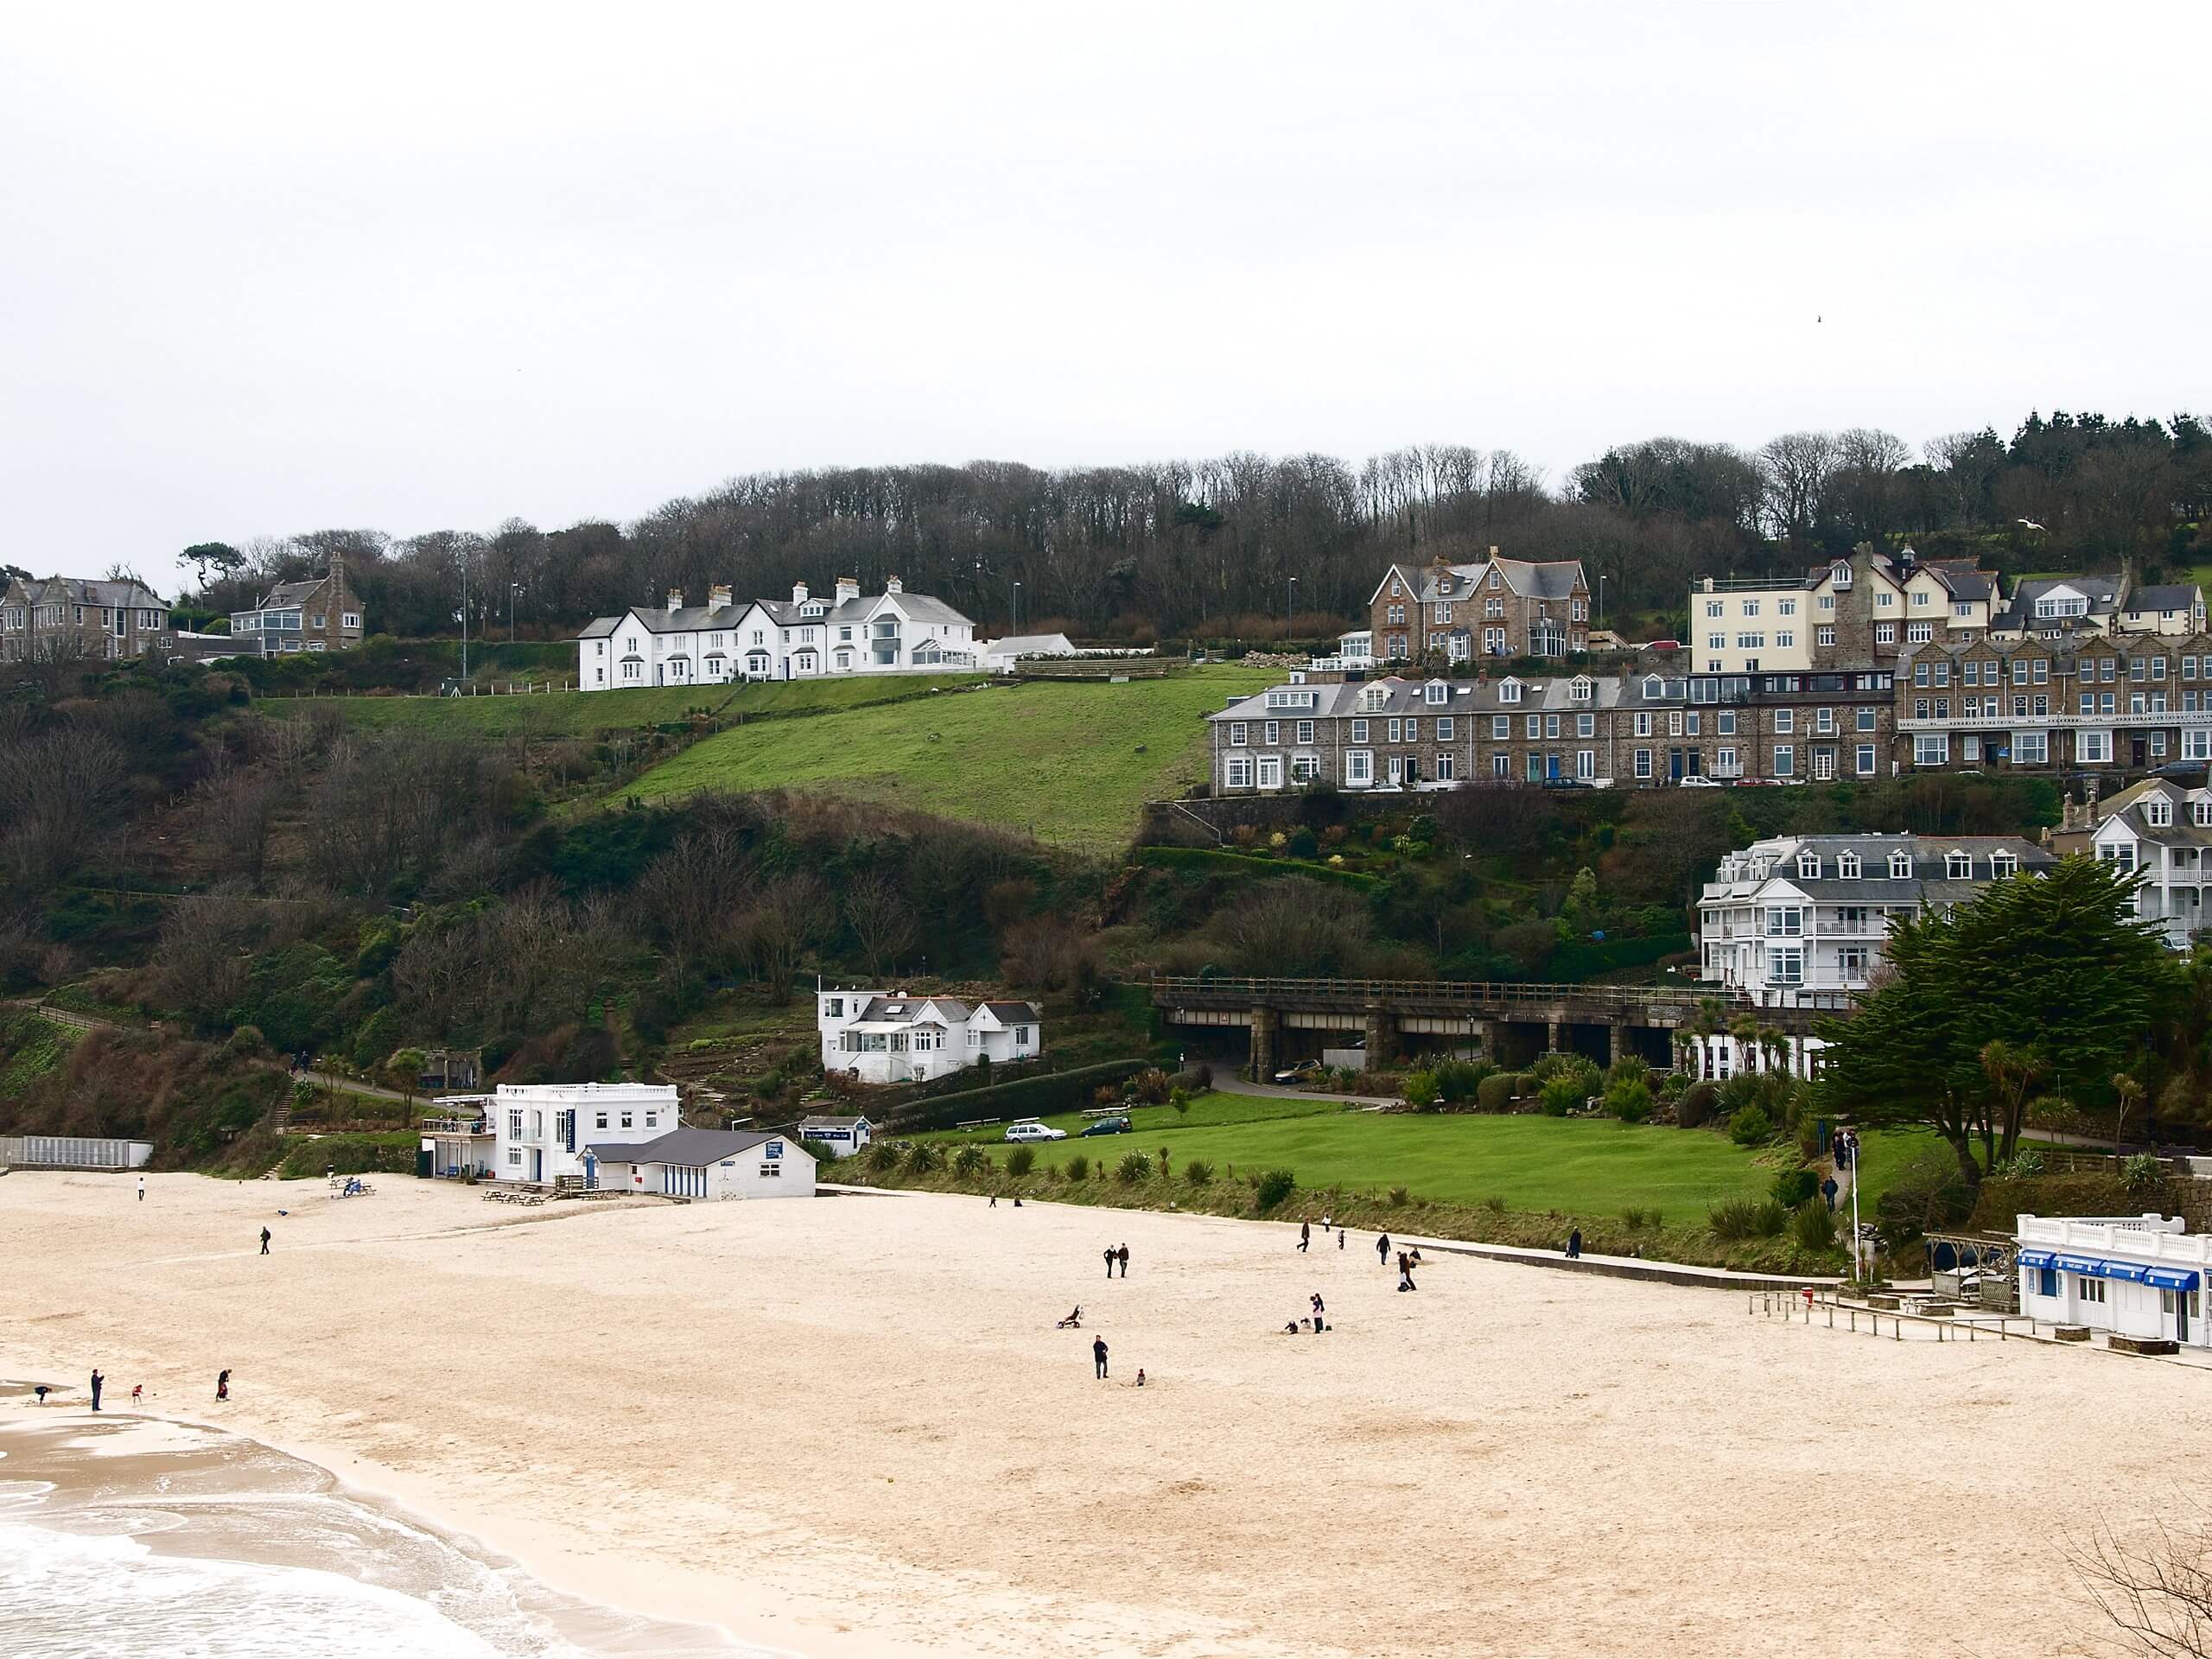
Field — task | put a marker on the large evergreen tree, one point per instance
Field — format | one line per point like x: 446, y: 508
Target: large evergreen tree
x: 2056, y: 968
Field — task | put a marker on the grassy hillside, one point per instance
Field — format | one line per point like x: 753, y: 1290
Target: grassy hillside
x: 1070, y: 762
x: 580, y: 714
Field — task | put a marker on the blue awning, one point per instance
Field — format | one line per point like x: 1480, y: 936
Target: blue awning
x: 2037, y: 1259
x: 2087, y: 1264
x: 2131, y: 1271
x: 2172, y: 1278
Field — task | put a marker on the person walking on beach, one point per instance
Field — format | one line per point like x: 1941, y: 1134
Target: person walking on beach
x: 137, y: 1392
x: 1343, y: 1233
x: 1316, y: 1300
x: 1383, y: 1250
x: 141, y: 1189
x: 1304, y: 1235
x: 1122, y: 1257
x: 223, y: 1385
x: 1109, y: 1260
x: 1574, y: 1244
x: 1098, y: 1353
x: 264, y: 1241
x: 97, y: 1380
x: 40, y: 1390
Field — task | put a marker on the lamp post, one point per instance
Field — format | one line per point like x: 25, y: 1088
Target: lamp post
x: 513, y: 587
x: 1289, y: 597
x: 464, y: 616
x: 1601, y: 602
x: 1017, y: 609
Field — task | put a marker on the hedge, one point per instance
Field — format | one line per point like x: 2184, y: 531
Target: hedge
x: 1574, y: 962
x: 1034, y: 1097
x: 1206, y: 859
x: 350, y: 1155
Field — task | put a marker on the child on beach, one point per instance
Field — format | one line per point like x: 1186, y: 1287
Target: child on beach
x: 223, y: 1384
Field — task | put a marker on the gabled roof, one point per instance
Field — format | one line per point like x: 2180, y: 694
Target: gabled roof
x: 825, y: 1123
x: 2180, y: 596
x: 84, y: 590
x: 691, y: 1148
x: 1557, y: 579
x: 1405, y: 574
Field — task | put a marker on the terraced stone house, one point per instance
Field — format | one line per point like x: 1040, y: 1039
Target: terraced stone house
x: 1498, y: 608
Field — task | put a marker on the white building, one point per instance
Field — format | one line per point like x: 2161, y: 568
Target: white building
x: 720, y: 1164
x: 2133, y: 1275
x: 540, y: 1132
x: 842, y: 1136
x: 891, y: 632
x: 1000, y: 656
x: 2162, y: 830
x: 1355, y: 652
x: 1798, y: 921
x: 889, y: 1037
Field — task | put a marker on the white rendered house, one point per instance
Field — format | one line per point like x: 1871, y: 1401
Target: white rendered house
x: 807, y: 638
x: 718, y: 1164
x: 842, y: 1136
x: 1004, y: 656
x: 2162, y: 830
x: 888, y: 1037
x: 541, y: 1132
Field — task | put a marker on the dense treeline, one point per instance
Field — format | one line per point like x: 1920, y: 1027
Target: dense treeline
x: 1211, y: 548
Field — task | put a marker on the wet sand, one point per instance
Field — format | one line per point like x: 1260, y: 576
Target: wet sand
x: 849, y: 1426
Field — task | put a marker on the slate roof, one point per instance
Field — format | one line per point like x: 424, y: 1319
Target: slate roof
x: 691, y: 1148
x: 1555, y: 579
x: 2175, y: 597
x: 783, y: 612
x: 1020, y: 1011
x: 80, y: 590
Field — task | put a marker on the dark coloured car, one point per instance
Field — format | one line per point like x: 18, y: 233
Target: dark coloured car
x: 1107, y: 1126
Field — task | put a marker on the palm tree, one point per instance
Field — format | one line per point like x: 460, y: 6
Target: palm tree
x: 2129, y: 1091
x: 1745, y: 1031
x: 2012, y: 1069
x: 1776, y: 1047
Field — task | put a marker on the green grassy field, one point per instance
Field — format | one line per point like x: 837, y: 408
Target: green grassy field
x: 1576, y: 1165
x: 1070, y: 762
x: 580, y: 714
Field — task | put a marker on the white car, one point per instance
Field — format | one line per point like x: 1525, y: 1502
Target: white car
x: 1030, y: 1129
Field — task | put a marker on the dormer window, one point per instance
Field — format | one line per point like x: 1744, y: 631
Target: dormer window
x: 1509, y: 690
x: 1900, y: 866
x: 1437, y: 691
x: 1808, y: 865
x: 2004, y: 864
x: 1839, y: 574
x: 2158, y: 813
x: 1958, y: 867
x: 1579, y: 689
x: 1847, y: 867
x: 2200, y: 814
x: 1654, y: 687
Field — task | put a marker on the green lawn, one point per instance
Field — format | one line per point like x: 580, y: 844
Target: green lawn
x: 1070, y: 762
x: 1576, y: 1165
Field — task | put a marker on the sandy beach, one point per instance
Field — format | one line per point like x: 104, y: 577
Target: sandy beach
x: 847, y: 1426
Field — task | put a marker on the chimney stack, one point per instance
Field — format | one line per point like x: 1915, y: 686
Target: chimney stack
x: 717, y: 598
x: 798, y: 593
x: 892, y: 585
x: 848, y: 587
x: 675, y: 600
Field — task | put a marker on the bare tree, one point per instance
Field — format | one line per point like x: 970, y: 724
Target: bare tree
x: 2157, y: 1593
x: 779, y: 926
x: 881, y: 919
x: 1799, y: 469
x: 236, y: 806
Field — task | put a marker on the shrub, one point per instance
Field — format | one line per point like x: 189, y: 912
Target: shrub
x: 1400, y: 1197
x: 1198, y: 1172
x: 1495, y: 1093
x: 1813, y: 1225
x: 1133, y: 1168
x: 882, y: 1155
x: 1152, y: 1086
x: 1747, y: 1218
x: 1928, y: 1192
x: 2026, y: 1162
x: 922, y: 1157
x: 2139, y: 1172
x: 1694, y: 1109
x: 1562, y: 1096
x: 1105, y: 1095
x: 1629, y: 1099
x: 1630, y: 1068
x: 1457, y: 1080
x: 1750, y: 1127
x: 1638, y: 1218
x: 1274, y: 1186
x: 1077, y: 1168
x: 821, y: 1152
x: 1794, y: 1186
x: 246, y: 1040
x: 969, y: 1161
x: 1495, y: 1204
x: 1421, y: 1092
x: 1180, y: 1102
x: 1021, y: 1160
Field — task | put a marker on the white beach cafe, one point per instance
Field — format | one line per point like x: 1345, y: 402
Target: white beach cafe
x: 2132, y: 1275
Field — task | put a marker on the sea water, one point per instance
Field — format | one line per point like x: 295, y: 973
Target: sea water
x: 207, y: 1546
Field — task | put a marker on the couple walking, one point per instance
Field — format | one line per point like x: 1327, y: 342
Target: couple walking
x: 1120, y: 1255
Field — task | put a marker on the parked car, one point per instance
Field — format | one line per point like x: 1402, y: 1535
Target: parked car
x: 1696, y: 782
x: 1107, y: 1126
x: 1030, y: 1130
x: 1299, y: 1072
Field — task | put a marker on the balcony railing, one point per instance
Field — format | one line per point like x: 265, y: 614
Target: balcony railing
x: 2197, y: 718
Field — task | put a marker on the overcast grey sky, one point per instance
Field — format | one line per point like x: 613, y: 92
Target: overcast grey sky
x: 267, y: 270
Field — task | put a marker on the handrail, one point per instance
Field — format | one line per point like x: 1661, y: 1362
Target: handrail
x: 1437, y: 990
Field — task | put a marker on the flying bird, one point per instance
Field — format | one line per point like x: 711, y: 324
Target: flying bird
x: 2030, y: 523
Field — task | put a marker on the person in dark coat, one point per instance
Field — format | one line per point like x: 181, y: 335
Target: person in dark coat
x: 1122, y: 1257
x: 264, y: 1241
x: 1305, y: 1234
x: 1109, y: 1260
x: 1098, y: 1353
x: 1574, y: 1244
x: 1828, y: 1190
x: 97, y: 1380
x: 1382, y: 1249
x: 223, y: 1385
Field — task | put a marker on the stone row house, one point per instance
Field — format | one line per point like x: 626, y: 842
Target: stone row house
x: 322, y: 614
x: 1497, y: 607
x: 1638, y: 729
x: 71, y: 617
